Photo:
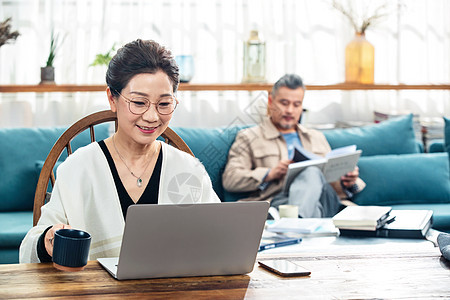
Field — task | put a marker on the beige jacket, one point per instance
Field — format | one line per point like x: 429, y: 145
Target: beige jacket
x: 259, y: 148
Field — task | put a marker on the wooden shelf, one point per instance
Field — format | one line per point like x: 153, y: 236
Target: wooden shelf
x: 355, y: 86
x: 43, y: 88
x: 71, y: 88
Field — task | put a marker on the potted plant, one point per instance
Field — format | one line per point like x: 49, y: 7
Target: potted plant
x: 101, y: 62
x: 5, y: 35
x: 103, y: 59
x: 48, y: 72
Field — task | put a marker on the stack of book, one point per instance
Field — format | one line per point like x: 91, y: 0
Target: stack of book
x: 382, y: 221
x: 362, y: 217
x: 432, y: 130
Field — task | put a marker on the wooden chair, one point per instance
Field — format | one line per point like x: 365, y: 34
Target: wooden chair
x: 47, y: 174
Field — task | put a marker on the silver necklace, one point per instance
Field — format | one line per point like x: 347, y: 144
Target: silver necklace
x: 138, y: 178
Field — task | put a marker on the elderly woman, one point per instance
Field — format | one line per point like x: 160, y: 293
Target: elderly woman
x: 96, y: 185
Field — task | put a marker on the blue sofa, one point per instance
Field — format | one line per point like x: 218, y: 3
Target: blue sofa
x: 22, y: 155
x: 393, y: 165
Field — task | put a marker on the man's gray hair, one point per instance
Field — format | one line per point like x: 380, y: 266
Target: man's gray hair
x: 291, y: 81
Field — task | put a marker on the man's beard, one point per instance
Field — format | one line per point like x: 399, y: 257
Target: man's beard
x: 286, y: 126
x: 279, y: 113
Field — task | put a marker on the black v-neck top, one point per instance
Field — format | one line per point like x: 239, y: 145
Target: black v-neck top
x: 150, y: 195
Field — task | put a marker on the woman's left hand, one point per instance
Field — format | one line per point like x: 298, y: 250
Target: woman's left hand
x: 50, y: 236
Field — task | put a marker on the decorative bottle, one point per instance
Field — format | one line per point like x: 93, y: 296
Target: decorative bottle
x: 254, y: 59
x: 359, y: 60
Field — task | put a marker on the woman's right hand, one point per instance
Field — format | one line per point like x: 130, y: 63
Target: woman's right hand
x: 50, y: 236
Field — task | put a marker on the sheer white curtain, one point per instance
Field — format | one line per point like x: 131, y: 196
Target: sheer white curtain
x: 412, y: 46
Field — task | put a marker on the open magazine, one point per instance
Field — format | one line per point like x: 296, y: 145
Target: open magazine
x: 335, y: 164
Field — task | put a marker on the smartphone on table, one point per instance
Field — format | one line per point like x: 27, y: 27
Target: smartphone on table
x: 284, y: 267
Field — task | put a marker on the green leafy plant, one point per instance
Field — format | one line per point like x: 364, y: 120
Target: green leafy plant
x: 54, y: 44
x: 104, y: 59
x: 5, y: 35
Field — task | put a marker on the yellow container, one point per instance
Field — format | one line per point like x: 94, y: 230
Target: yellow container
x: 359, y: 60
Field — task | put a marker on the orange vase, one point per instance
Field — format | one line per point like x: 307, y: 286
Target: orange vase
x: 359, y: 60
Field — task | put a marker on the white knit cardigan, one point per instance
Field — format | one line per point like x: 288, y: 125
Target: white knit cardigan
x: 85, y: 197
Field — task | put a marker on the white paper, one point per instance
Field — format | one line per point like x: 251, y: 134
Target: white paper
x: 301, y: 225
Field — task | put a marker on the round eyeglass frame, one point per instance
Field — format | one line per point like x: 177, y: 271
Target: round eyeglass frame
x: 128, y: 100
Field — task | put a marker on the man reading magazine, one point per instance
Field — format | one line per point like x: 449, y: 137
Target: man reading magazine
x: 259, y: 158
x: 336, y: 163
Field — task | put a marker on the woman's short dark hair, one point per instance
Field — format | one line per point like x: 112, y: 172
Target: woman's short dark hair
x: 291, y: 81
x: 139, y: 57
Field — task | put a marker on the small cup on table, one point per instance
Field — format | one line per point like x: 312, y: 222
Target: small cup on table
x: 71, y: 249
x: 288, y: 211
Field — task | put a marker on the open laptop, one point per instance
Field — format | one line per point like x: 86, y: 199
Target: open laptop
x: 189, y: 240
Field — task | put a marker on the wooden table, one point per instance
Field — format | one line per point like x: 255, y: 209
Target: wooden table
x: 420, y: 274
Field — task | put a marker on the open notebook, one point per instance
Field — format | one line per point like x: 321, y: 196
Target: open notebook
x: 189, y: 240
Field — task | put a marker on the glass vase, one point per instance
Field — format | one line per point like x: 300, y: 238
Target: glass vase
x: 186, y: 67
x: 359, y: 60
x: 254, y: 59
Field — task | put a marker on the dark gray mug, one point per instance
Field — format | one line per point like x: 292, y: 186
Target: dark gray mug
x: 71, y: 249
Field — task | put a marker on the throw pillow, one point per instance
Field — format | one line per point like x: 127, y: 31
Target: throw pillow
x: 436, y: 146
x: 404, y: 179
x: 393, y: 136
x: 19, y: 151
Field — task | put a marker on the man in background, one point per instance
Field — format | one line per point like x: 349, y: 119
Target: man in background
x: 259, y: 157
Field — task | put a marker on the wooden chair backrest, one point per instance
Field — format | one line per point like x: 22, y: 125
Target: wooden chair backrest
x: 64, y: 141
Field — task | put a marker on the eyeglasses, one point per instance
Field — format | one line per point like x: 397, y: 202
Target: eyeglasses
x: 139, y: 105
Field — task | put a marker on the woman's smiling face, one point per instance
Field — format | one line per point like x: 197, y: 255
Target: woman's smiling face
x: 145, y: 128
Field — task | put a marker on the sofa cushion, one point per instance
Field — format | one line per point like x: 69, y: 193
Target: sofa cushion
x: 211, y: 146
x: 404, y: 179
x: 9, y: 255
x: 232, y: 197
x: 13, y: 227
x: 39, y: 165
x: 393, y: 136
x: 447, y: 134
x: 436, y: 146
x: 21, y: 148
